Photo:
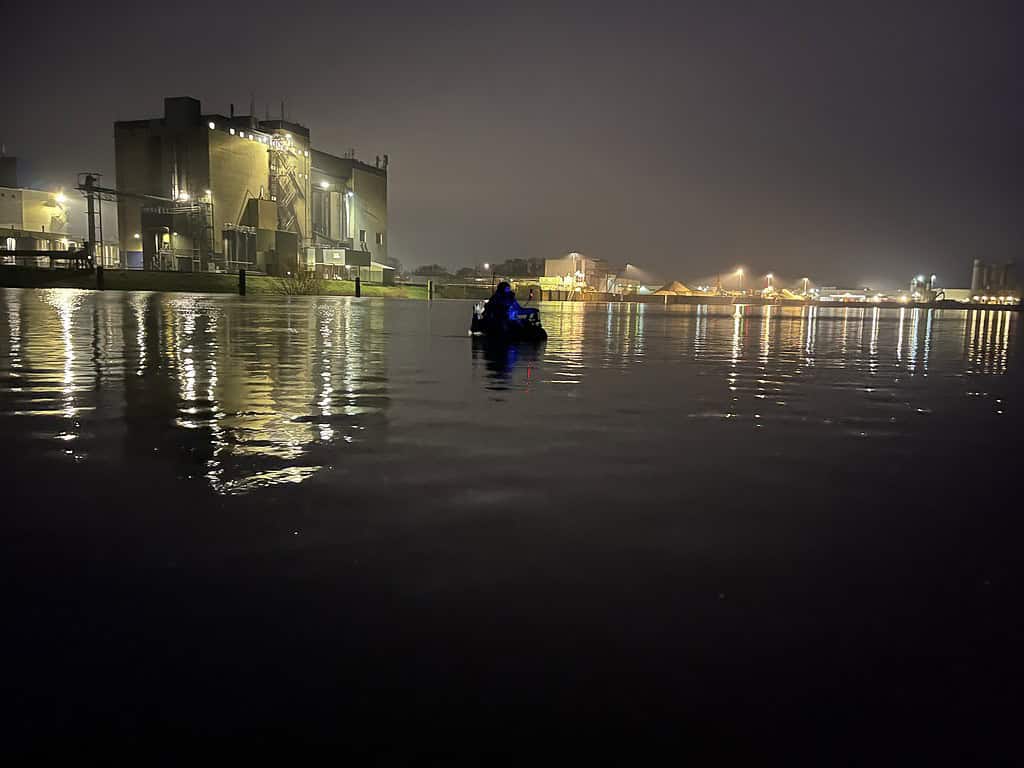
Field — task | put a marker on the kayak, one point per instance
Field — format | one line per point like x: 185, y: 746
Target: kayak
x: 521, y: 324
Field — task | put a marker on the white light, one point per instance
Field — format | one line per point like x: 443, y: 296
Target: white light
x: 486, y: 265
x: 60, y: 198
x: 325, y: 185
x: 231, y: 131
x: 241, y: 134
x: 136, y: 235
x: 183, y: 196
x: 209, y: 193
x: 212, y: 125
x: 350, y: 194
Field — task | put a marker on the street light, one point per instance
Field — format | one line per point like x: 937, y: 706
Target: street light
x: 61, y: 198
x: 325, y: 185
x: 739, y: 273
x: 769, y: 277
x: 805, y: 286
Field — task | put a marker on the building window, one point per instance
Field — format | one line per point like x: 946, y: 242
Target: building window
x: 11, y: 244
x: 362, y: 235
x: 380, y: 238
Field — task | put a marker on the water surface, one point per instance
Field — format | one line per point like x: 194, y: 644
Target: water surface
x: 662, y: 515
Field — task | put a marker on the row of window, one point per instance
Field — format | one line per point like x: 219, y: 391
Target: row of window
x: 11, y: 244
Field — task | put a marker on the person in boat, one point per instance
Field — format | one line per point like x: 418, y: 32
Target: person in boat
x: 502, y: 306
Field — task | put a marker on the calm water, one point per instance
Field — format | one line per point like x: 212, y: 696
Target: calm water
x: 315, y: 518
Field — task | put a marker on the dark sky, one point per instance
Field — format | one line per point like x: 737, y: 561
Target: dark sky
x: 858, y: 142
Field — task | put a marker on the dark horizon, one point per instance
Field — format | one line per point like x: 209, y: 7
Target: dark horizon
x: 858, y: 145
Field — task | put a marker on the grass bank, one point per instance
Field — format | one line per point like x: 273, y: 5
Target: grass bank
x: 190, y: 282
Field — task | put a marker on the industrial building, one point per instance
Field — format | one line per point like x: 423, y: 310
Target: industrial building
x: 994, y: 283
x: 34, y: 225
x: 208, y: 192
x: 576, y: 273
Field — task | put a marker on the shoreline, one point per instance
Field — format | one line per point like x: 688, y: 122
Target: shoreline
x: 191, y: 282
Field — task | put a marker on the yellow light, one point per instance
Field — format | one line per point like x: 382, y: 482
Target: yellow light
x: 209, y: 193
x: 60, y: 198
x: 325, y: 185
x: 183, y: 196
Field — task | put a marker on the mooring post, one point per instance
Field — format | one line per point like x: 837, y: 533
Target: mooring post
x: 241, y: 282
x: 359, y: 287
x: 99, y: 278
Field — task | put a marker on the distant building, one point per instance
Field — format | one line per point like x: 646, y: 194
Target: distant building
x: 34, y: 220
x: 575, y: 272
x: 213, y: 192
x: 33, y: 214
x: 994, y: 283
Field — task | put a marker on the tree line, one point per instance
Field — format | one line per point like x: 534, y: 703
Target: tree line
x: 508, y: 268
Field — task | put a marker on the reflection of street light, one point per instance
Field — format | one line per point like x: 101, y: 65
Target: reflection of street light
x: 739, y: 273
x: 805, y: 286
x: 769, y: 278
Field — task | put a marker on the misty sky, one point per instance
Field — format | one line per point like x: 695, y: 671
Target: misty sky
x: 858, y: 143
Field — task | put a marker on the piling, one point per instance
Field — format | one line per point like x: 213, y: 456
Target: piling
x: 241, y: 282
x: 359, y: 287
x: 99, y: 278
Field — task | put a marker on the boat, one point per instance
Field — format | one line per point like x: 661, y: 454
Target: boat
x: 519, y: 324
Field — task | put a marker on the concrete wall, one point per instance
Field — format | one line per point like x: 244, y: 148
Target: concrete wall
x: 137, y: 163
x: 239, y: 172
x: 370, y: 211
x: 10, y: 208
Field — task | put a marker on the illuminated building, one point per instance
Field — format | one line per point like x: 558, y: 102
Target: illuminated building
x: 209, y: 192
x: 994, y: 283
x: 31, y: 219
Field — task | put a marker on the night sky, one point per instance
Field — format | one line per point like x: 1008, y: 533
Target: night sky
x: 858, y: 143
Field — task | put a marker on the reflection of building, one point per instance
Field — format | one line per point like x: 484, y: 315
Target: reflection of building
x: 213, y: 192
x: 994, y: 283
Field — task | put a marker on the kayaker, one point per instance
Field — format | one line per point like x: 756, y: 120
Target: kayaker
x: 502, y: 303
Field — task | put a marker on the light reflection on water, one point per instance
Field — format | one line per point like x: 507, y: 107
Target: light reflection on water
x: 252, y: 393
